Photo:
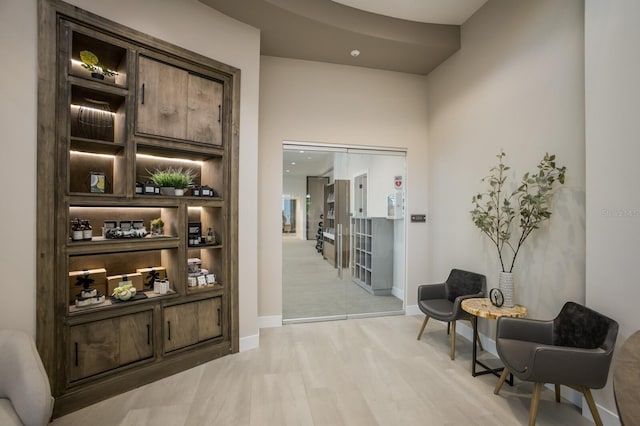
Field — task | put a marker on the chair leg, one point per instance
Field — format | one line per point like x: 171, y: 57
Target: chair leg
x: 448, y: 328
x: 424, y: 324
x: 535, y: 402
x: 503, y: 378
x: 592, y: 405
x: 453, y: 340
x: 557, y: 386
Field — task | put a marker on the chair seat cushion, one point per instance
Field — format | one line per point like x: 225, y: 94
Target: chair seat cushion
x: 440, y: 309
x: 8, y: 416
x: 515, y: 354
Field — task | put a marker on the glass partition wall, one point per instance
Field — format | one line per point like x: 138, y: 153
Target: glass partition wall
x: 350, y: 261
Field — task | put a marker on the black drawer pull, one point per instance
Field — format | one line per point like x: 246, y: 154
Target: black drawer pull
x: 169, y: 324
x: 219, y: 113
x: 219, y: 315
x: 76, y: 344
x: 142, y: 94
x: 148, y: 334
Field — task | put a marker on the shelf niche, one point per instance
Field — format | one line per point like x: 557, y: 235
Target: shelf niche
x: 209, y: 171
x: 112, y: 57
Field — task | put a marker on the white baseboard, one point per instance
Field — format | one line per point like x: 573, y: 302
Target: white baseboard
x: 413, y: 310
x: 270, y: 321
x: 249, y: 342
x: 608, y: 417
x: 397, y: 292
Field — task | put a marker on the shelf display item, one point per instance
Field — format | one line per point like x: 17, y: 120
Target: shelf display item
x: 97, y: 182
x: 77, y: 232
x: 152, y: 274
x: 95, y: 120
x: 134, y: 279
x: 124, y: 292
x: 194, y: 233
x: 161, y: 286
x: 87, y: 281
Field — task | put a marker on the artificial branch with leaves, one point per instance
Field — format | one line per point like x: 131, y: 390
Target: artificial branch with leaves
x: 496, y: 209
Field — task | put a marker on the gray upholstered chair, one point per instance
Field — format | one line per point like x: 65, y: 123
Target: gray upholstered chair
x: 25, y: 395
x: 442, y: 301
x: 574, y: 349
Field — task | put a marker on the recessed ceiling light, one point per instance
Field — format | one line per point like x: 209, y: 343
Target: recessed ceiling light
x: 301, y: 152
x: 293, y: 163
x: 287, y: 171
x: 355, y: 53
x: 308, y: 158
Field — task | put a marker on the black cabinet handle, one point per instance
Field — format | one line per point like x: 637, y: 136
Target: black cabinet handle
x: 148, y: 334
x: 219, y: 113
x: 169, y: 324
x: 76, y: 344
x: 142, y: 94
x: 219, y: 316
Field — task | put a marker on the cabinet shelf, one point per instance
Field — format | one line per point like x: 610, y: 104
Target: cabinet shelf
x: 94, y: 86
x: 109, y: 304
x: 95, y: 146
x: 172, y: 148
x: 99, y: 245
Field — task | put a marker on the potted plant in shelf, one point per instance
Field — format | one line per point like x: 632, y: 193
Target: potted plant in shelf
x: 91, y: 62
x: 157, y: 227
x: 173, y: 180
x: 495, y: 210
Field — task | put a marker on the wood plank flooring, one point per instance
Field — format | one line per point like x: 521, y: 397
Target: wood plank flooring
x: 369, y: 371
x: 311, y: 287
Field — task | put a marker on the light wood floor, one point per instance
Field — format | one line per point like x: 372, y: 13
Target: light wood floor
x: 311, y: 287
x: 368, y: 371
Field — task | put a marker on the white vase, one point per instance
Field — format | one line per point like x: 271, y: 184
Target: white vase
x: 505, y: 283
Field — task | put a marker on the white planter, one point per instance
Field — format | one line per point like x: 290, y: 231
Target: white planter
x: 505, y: 283
x: 179, y: 192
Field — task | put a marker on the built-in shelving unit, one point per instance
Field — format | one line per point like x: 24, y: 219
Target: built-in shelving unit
x: 372, y: 265
x: 99, y: 138
x: 336, y: 215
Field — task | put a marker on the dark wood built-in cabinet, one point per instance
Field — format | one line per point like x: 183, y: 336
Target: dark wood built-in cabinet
x: 98, y: 141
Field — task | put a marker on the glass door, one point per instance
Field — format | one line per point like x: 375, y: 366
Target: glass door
x: 353, y: 264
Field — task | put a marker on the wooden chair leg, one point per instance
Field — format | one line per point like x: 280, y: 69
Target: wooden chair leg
x: 448, y: 328
x: 424, y: 324
x: 453, y: 340
x: 535, y: 402
x: 503, y: 378
x: 557, y: 386
x: 592, y: 405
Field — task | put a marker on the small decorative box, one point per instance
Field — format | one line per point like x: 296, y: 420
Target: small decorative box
x: 86, y: 281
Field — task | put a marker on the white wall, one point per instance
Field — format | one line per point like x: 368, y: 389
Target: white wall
x: 186, y: 23
x: 516, y: 84
x: 612, y: 152
x: 318, y: 102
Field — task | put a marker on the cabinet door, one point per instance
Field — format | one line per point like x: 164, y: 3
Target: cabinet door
x: 162, y: 99
x: 136, y: 337
x: 204, y: 116
x: 209, y: 318
x: 93, y: 348
x: 180, y: 326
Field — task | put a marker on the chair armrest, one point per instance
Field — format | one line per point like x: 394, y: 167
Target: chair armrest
x: 570, y: 366
x: 431, y: 291
x: 457, y: 309
x: 525, y: 329
x: 23, y: 379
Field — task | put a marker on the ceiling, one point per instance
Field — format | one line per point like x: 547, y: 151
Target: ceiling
x: 412, y: 36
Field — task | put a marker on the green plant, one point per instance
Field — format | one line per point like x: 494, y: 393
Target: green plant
x: 178, y: 177
x: 157, y: 223
x: 496, y: 209
x: 91, y: 62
